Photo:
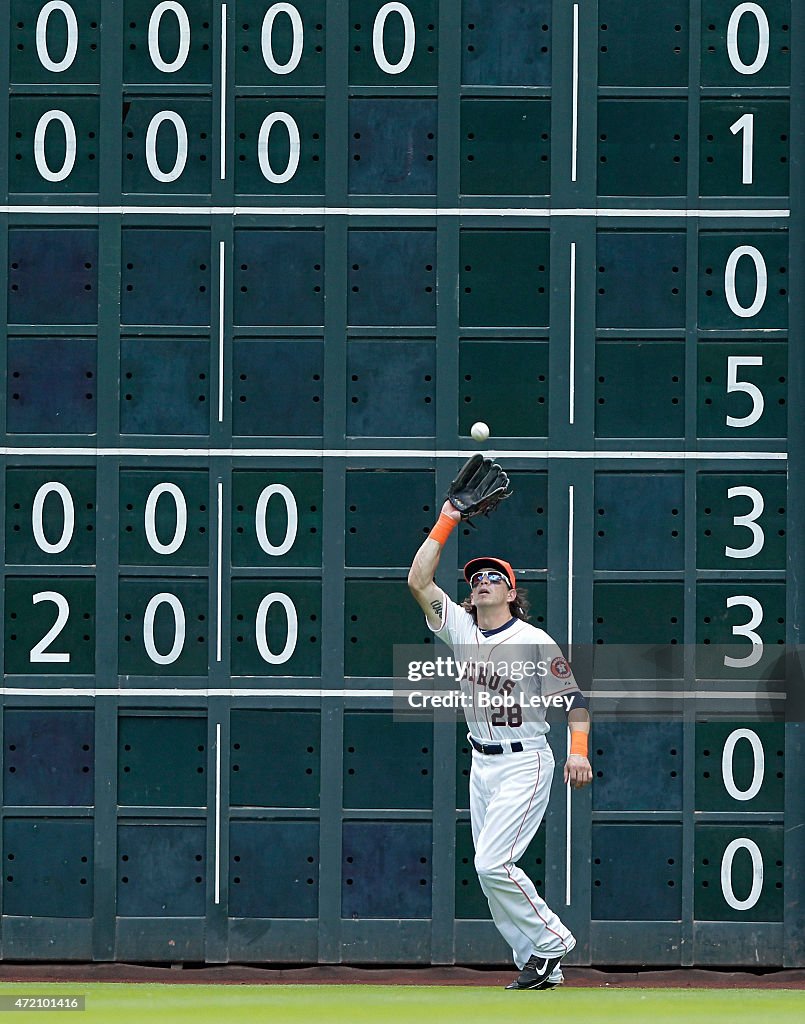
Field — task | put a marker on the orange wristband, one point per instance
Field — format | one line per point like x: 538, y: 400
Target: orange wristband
x: 445, y: 525
x: 578, y: 742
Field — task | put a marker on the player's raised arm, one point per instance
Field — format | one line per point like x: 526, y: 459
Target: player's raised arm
x: 578, y: 771
x: 428, y: 596
x: 478, y: 488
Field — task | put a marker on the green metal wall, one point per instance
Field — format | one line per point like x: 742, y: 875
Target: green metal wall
x: 534, y: 213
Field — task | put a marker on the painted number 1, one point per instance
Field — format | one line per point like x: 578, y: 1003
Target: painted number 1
x: 746, y: 124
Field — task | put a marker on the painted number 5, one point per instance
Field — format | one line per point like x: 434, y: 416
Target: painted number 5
x: 733, y: 384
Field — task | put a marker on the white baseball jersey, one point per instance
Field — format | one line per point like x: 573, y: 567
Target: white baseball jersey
x: 509, y: 791
x: 506, y: 674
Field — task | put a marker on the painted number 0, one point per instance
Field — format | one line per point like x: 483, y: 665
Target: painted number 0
x: 38, y: 517
x: 70, y: 145
x: 761, y: 281
x: 181, y: 146
x: 169, y: 67
x: 733, y: 27
x: 262, y: 629
x: 298, y: 32
x: 261, y: 519
x: 175, y: 605
x: 42, y: 51
x: 758, y: 764
x: 757, y: 874
x: 294, y: 148
x: 180, y: 529
x: 409, y: 42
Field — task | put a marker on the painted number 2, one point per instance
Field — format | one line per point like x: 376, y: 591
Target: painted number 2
x: 39, y: 652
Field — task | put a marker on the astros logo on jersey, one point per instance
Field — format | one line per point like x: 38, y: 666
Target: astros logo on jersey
x: 560, y: 668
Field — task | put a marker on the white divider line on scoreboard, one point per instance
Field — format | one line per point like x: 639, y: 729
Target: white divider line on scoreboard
x: 568, y: 830
x: 575, y: 121
x: 217, y: 813
x: 393, y: 453
x: 570, y: 516
x: 567, y: 805
x: 381, y: 211
x: 219, y: 580
x: 689, y: 695
x: 60, y: 692
x: 223, y: 92
x: 572, y: 335
x: 221, y: 326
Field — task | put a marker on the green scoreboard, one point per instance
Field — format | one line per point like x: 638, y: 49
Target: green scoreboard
x: 266, y: 263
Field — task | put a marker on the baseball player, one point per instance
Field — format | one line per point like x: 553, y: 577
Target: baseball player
x: 502, y: 655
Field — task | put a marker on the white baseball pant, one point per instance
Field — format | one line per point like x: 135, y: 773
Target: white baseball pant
x: 508, y: 797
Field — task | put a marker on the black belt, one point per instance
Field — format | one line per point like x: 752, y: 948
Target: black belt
x: 495, y: 748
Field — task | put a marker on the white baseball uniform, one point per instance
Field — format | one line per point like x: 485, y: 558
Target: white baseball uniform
x: 509, y: 790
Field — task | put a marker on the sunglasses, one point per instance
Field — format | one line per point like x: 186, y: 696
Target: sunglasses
x: 491, y: 576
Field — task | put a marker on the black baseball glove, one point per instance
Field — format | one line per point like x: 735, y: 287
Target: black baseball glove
x: 478, y: 488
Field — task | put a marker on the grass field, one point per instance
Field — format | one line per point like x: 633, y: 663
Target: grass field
x: 376, y: 1004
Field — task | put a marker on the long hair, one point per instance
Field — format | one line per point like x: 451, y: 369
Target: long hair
x: 519, y: 607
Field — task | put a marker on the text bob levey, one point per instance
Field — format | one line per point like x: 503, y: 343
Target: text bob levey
x: 421, y: 700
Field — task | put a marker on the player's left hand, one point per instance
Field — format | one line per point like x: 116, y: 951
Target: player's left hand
x: 578, y: 771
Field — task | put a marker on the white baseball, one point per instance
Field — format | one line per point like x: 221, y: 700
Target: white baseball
x: 479, y: 432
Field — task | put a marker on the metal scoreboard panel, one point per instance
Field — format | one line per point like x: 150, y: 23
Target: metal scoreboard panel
x: 266, y: 264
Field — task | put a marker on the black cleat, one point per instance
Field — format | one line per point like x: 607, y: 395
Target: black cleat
x: 536, y: 972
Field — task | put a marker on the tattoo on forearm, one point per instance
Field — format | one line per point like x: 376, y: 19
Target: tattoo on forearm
x: 437, y: 607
